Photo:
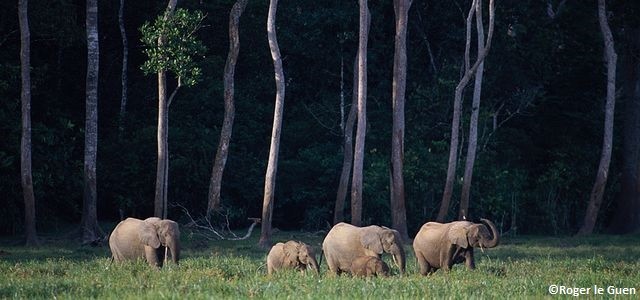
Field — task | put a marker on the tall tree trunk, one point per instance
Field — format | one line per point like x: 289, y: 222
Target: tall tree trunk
x: 229, y: 108
x: 595, y: 200
x: 398, y: 210
x: 457, y: 103
x: 162, y: 168
x: 272, y: 166
x: 31, y: 236
x: 626, y: 218
x: 342, y: 95
x: 358, y: 159
x: 125, y: 58
x: 473, y: 123
x: 163, y: 147
x: 347, y: 160
x: 90, y: 229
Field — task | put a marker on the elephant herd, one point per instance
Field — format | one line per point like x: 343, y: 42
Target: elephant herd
x: 347, y: 248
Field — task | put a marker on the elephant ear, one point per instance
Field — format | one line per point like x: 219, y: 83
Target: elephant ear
x: 389, y: 237
x: 291, y: 249
x: 458, y: 236
x: 173, y: 228
x: 148, y: 235
x: 371, y: 241
x: 476, y: 233
x: 167, y: 229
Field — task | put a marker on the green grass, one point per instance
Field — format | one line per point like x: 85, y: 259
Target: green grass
x: 519, y: 267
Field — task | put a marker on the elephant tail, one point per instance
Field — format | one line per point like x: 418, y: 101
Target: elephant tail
x: 320, y: 259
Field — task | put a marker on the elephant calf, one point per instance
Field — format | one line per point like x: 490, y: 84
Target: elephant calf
x: 291, y: 255
x: 369, y: 266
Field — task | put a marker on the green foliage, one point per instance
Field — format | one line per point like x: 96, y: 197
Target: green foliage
x: 522, y: 267
x: 543, y: 79
x: 172, y: 45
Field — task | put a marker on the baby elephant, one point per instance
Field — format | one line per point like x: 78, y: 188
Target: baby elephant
x: 369, y: 266
x: 291, y: 255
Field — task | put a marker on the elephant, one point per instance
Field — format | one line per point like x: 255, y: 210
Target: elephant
x: 345, y: 242
x: 135, y: 239
x: 369, y: 266
x: 291, y: 255
x: 441, y: 245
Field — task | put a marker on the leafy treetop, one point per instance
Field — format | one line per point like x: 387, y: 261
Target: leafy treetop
x: 179, y: 48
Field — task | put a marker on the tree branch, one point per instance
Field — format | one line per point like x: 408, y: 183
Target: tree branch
x: 426, y: 41
x: 328, y: 127
x: 554, y: 14
x: 206, y: 229
x: 173, y: 94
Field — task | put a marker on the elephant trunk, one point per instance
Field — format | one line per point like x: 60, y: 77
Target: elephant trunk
x: 314, y: 265
x: 174, y: 246
x: 399, y: 257
x: 494, y: 231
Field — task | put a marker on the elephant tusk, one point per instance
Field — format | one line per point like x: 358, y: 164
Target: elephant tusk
x: 166, y: 253
x: 481, y: 248
x: 394, y: 259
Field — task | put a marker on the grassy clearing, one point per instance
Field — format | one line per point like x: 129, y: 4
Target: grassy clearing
x: 519, y: 267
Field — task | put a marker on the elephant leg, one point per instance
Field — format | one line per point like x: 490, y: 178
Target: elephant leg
x: 425, y: 268
x: 273, y: 266
x: 333, y: 265
x: 269, y: 269
x: 117, y: 256
x: 333, y: 269
x: 459, y: 256
x: 340, y: 271
x: 469, y: 260
x: 161, y: 254
x: 447, y: 258
x: 372, y: 273
x: 152, y: 256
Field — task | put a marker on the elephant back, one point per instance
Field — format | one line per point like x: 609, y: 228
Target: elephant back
x: 344, y: 238
x: 431, y: 226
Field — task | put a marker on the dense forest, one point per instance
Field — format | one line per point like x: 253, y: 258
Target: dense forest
x: 540, y: 122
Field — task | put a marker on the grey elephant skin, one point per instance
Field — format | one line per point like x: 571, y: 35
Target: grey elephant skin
x: 345, y: 242
x: 441, y: 245
x: 367, y: 266
x: 291, y: 255
x: 147, y: 239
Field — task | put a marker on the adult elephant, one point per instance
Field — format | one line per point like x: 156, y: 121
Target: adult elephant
x: 142, y: 239
x: 345, y: 242
x: 439, y: 245
x: 291, y: 255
